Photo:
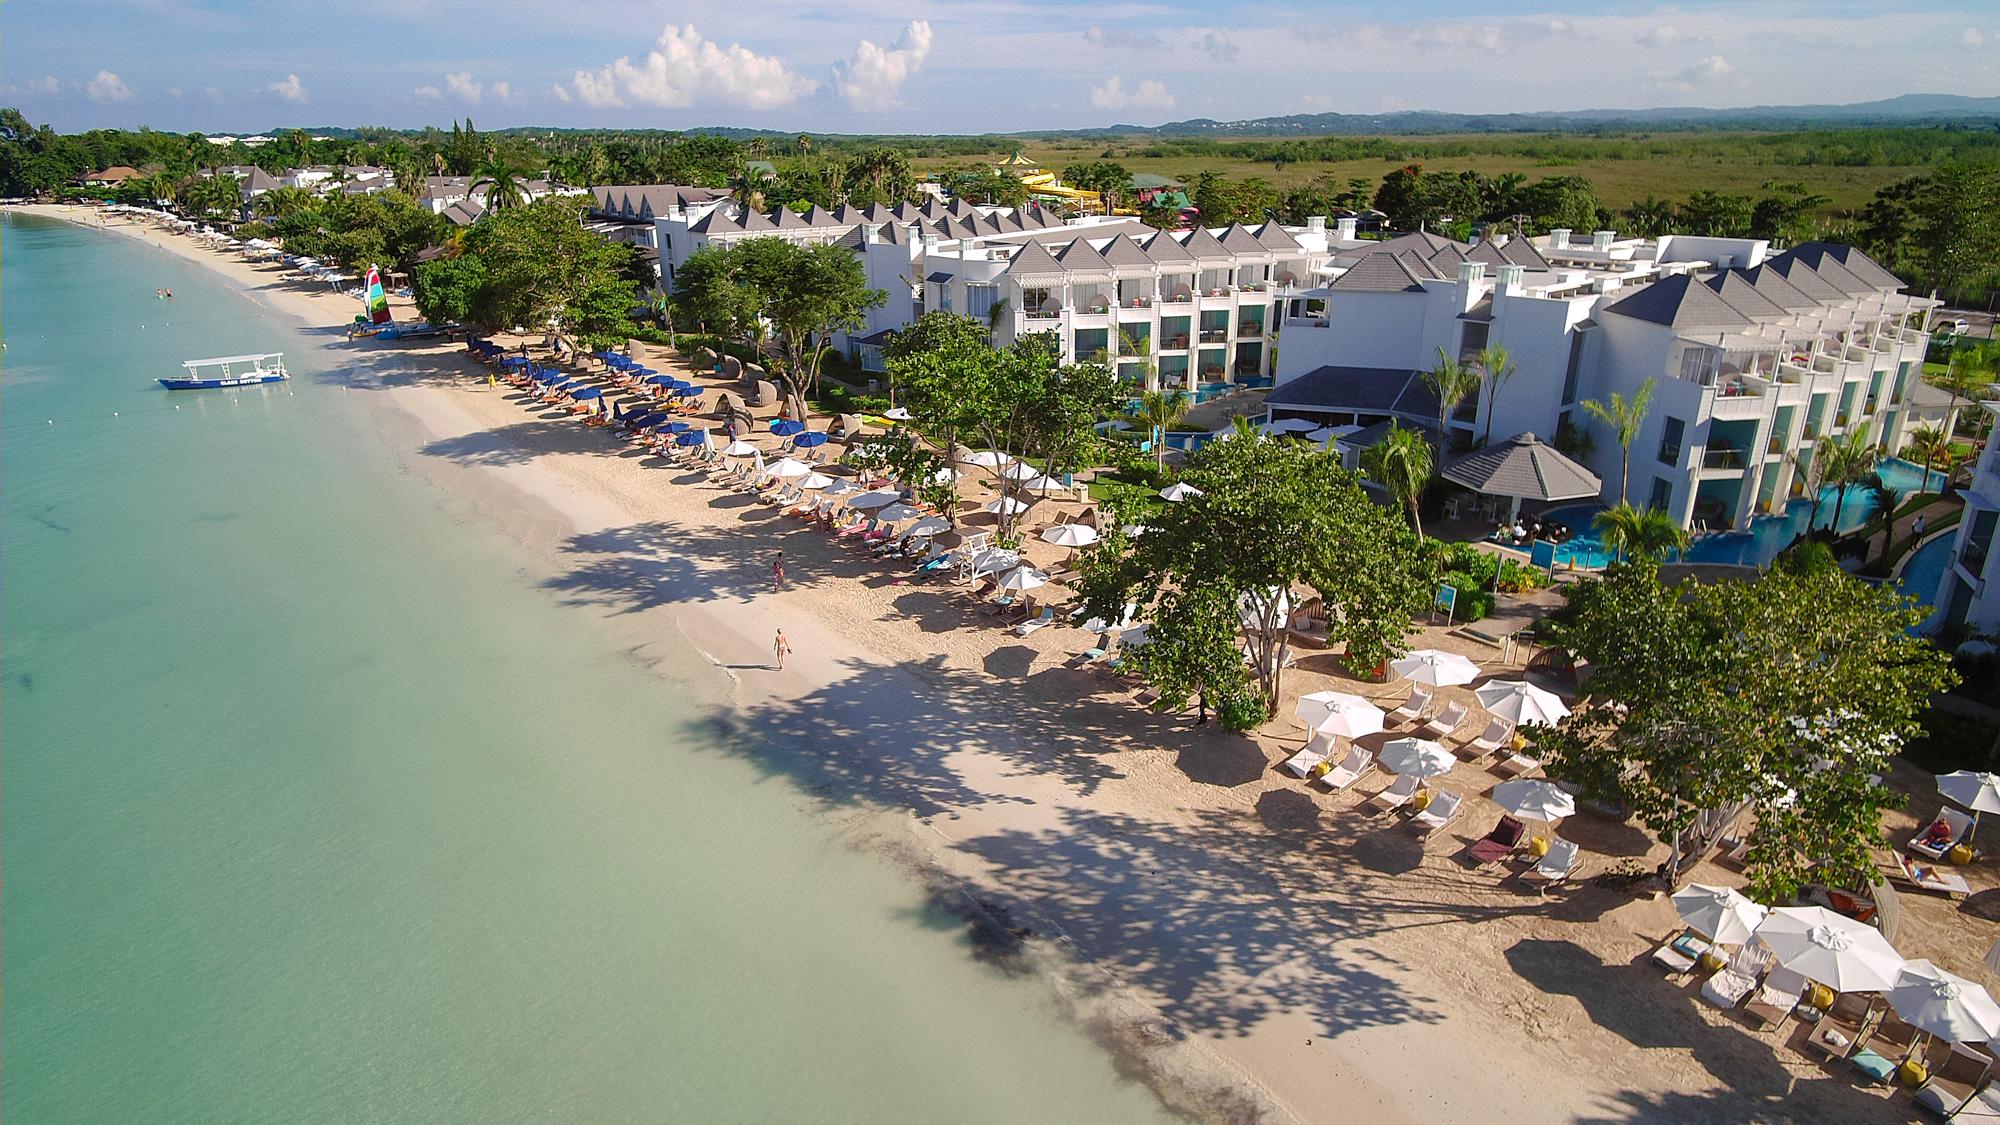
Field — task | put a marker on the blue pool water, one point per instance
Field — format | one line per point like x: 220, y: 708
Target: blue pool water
x: 1768, y: 535
x: 1925, y: 569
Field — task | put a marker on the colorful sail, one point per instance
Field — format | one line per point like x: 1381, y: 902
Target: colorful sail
x: 376, y: 300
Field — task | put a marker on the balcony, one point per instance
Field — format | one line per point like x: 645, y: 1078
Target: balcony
x: 1214, y: 335
x: 1143, y: 301
x: 1972, y: 556
x: 1250, y: 328
x: 1043, y: 312
x: 1181, y: 296
x: 1723, y: 457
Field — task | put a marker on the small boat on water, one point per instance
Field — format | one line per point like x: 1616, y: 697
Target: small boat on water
x: 230, y: 371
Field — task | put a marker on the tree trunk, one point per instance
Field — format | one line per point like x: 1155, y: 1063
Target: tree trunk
x: 1625, y: 473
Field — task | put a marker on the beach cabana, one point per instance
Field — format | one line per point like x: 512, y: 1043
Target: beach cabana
x: 1523, y: 467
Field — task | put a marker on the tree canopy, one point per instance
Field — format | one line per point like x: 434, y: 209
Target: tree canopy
x: 535, y: 266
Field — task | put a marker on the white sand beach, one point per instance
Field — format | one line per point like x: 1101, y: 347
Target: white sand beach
x: 1257, y: 948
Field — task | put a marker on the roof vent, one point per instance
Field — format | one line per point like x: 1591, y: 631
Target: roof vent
x: 1559, y: 238
x: 1472, y: 272
x: 1601, y: 239
x: 1343, y: 229
x: 1510, y: 278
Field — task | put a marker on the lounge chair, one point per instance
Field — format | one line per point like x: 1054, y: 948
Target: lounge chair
x: 1738, y: 979
x: 1960, y: 825
x: 1444, y: 808
x: 1776, y: 998
x: 1681, y: 953
x: 1041, y: 621
x: 1885, y: 1048
x: 1553, y: 868
x: 1446, y: 721
x: 1953, y: 1083
x: 1843, y: 1026
x: 1351, y: 769
x: 1317, y: 749
x: 1498, y: 733
x: 1398, y: 793
x: 1497, y: 844
x: 1413, y: 707
x: 1518, y: 765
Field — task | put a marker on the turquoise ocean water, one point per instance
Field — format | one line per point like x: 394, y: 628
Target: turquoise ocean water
x: 315, y: 809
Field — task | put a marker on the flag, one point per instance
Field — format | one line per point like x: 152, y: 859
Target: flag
x: 375, y: 299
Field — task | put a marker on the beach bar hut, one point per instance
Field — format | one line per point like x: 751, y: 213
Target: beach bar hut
x: 1524, y: 467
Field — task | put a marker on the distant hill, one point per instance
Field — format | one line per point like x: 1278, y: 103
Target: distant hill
x: 1907, y: 109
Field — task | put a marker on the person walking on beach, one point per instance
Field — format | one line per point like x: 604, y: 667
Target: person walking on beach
x: 778, y: 574
x: 1917, y: 527
x: 782, y: 648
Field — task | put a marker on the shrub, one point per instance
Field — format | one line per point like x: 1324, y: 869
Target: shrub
x: 1241, y: 711
x: 1474, y: 600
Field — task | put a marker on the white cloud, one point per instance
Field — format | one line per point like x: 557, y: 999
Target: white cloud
x: 1149, y: 94
x: 49, y: 85
x: 1219, y: 46
x: 1972, y: 37
x: 683, y: 69
x: 107, y: 87
x: 291, y: 89
x: 1316, y: 103
x: 462, y: 87
x: 873, y: 78
x: 211, y: 93
x: 173, y: 91
x: 1123, y: 40
x: 503, y: 90
x: 1458, y: 36
x: 428, y: 92
x: 1667, y: 35
x: 1707, y: 71
x: 558, y: 93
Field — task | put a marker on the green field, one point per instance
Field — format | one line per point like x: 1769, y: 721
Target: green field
x: 1848, y: 168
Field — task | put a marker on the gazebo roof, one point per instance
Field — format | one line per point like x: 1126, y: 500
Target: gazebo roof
x: 1526, y: 467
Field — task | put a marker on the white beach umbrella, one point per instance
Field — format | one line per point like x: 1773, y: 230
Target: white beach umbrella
x: 1135, y: 530
x: 1044, y: 485
x: 1992, y: 958
x: 1435, y: 668
x: 987, y: 459
x: 1337, y: 712
x: 1979, y: 792
x: 994, y: 560
x: 1945, y: 1005
x: 841, y: 486
x: 875, y: 498
x: 1179, y: 491
x: 1417, y: 757
x: 928, y: 526
x: 1722, y: 913
x: 1520, y: 702
x: 1533, y: 799
x: 945, y: 476
x: 813, y: 482
x: 739, y: 448
x: 897, y: 513
x: 1833, y: 949
x: 791, y: 468
x: 1023, y: 578
x: 1135, y: 636
x: 897, y: 414
x: 1070, y: 535
x: 1020, y: 470
x: 1005, y: 505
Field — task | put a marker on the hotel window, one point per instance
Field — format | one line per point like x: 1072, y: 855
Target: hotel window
x: 944, y: 295
x: 1670, y: 441
x: 1472, y: 337
x: 1575, y: 367
x: 1663, y: 494
x: 979, y: 300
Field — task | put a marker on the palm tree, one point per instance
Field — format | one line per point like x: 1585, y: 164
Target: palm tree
x: 1450, y: 381
x: 1496, y: 368
x: 1932, y: 448
x: 1885, y: 506
x: 502, y: 182
x: 757, y: 147
x: 747, y: 187
x: 1401, y: 463
x: 805, y: 145
x: 1812, y: 475
x: 1160, y: 411
x: 1967, y: 372
x: 409, y: 177
x: 1845, y: 461
x: 1628, y: 532
x: 282, y: 201
x: 1624, y: 416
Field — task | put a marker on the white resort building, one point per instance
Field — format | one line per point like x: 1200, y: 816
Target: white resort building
x: 1965, y: 596
x: 1753, y: 356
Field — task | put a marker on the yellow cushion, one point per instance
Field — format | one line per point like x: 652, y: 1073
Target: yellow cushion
x: 1960, y: 855
x: 1912, y: 1074
x: 1712, y: 962
x: 1538, y: 846
x: 1421, y: 801
x: 1822, y: 997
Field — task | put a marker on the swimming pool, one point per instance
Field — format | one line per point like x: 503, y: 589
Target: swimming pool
x: 1767, y: 535
x: 1925, y: 570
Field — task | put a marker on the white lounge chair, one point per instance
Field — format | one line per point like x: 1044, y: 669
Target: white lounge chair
x: 1443, y: 809
x: 1317, y: 749
x: 1413, y: 707
x: 1682, y: 953
x: 1960, y: 825
x: 1498, y: 733
x: 1351, y: 769
x: 1738, y: 979
x: 1776, y: 997
x: 1555, y: 867
x: 1446, y: 721
x: 1041, y: 621
x: 1519, y: 765
x: 1398, y: 794
x: 1950, y: 1088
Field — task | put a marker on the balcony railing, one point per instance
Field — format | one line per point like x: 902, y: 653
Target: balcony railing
x: 1214, y: 335
x: 1250, y: 328
x: 1723, y: 457
x: 1184, y: 297
x: 1973, y: 556
x: 1044, y: 312
x: 1141, y: 302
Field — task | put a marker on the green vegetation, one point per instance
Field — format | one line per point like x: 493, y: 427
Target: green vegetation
x: 1272, y: 518
x: 534, y: 266
x: 1477, y: 576
x: 1783, y: 694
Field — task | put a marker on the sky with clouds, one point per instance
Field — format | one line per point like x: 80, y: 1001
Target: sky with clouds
x: 952, y: 67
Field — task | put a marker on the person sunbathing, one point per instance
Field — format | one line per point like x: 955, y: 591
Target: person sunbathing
x: 1938, y: 834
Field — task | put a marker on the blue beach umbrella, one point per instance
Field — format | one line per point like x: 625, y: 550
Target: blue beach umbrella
x: 515, y: 361
x: 678, y: 427
x: 809, y: 439
x: 662, y: 381
x: 692, y: 437
x: 585, y: 394
x: 786, y: 427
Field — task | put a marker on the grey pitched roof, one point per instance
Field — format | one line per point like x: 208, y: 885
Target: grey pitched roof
x: 1126, y: 257
x: 1421, y: 241
x: 1680, y: 302
x: 895, y: 235
x: 1521, y: 252
x: 1275, y: 238
x: 1732, y: 286
x: 1206, y: 248
x: 1032, y: 264
x: 1237, y: 238
x: 1378, y: 273
x: 1782, y: 293
x: 1080, y: 261
x: 1524, y: 466
x: 784, y: 218
x: 1853, y: 260
x: 1805, y: 280
x: 1165, y: 249
x: 940, y: 275
x: 1488, y: 253
x: 1363, y: 390
x: 1423, y: 267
